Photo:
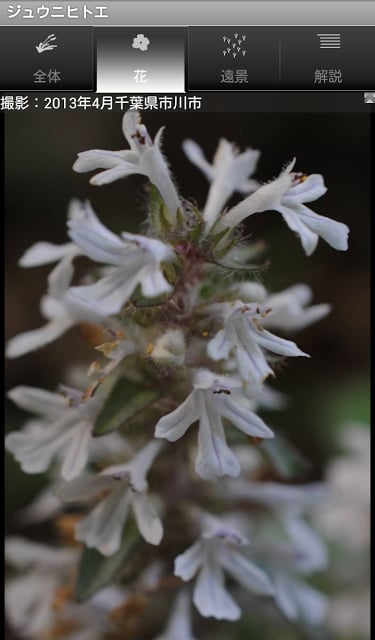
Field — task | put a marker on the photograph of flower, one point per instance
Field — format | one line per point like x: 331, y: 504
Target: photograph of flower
x: 187, y: 319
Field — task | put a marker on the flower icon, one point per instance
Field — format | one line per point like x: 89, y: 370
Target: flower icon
x: 140, y: 42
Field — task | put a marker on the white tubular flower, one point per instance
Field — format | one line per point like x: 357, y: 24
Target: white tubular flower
x: 170, y: 348
x: 46, y: 569
x: 62, y: 431
x: 210, y: 401
x: 229, y: 172
x: 125, y: 486
x: 288, y: 308
x: 136, y: 260
x: 213, y: 553
x: 44, y: 507
x: 61, y: 312
x: 144, y: 157
x: 179, y: 623
x: 298, y: 600
x: 285, y: 563
x: 289, y: 504
x: 288, y: 195
x: 244, y: 337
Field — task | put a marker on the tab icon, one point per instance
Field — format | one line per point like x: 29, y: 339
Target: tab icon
x: 329, y: 40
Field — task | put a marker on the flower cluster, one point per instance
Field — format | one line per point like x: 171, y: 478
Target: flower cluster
x: 149, y: 460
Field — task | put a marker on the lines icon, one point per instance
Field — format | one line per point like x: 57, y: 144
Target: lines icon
x: 329, y: 40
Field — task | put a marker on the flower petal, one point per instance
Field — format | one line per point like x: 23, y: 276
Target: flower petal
x: 179, y: 623
x: 306, y: 191
x: 43, y: 403
x: 175, y: 424
x: 98, y: 159
x: 309, y: 239
x: 30, y: 593
x: 187, y: 564
x: 77, y: 449
x: 284, y: 596
x: 35, y: 450
x: 289, y: 311
x: 312, y: 552
x: 196, y: 156
x: 61, y: 276
x: 298, y: 601
x: 245, y: 420
x: 84, y: 487
x: 153, y: 282
x: 153, y: 164
x: 109, y: 294
x: 251, y: 362
x: 37, y: 338
x: 102, y: 528
x: 44, y: 253
x: 148, y: 522
x: 140, y: 465
x: 267, y: 197
x: 44, y: 507
x: 333, y: 232
x: 22, y: 553
x: 210, y: 596
x: 214, y: 457
x: 111, y: 175
x: 273, y: 343
x: 95, y: 240
x: 246, y: 572
x: 312, y: 604
x: 220, y: 345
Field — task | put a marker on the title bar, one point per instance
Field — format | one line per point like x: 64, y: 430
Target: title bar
x: 186, y: 12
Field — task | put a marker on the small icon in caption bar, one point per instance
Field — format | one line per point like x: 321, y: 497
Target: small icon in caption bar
x: 369, y: 98
x: 329, y: 40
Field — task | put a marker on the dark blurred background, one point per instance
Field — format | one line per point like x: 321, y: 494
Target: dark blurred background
x: 325, y: 390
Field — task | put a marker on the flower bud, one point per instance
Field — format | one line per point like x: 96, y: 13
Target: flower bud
x: 170, y: 348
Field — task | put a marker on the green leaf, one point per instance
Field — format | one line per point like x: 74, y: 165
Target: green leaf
x: 141, y: 301
x: 126, y: 400
x: 288, y: 462
x: 217, y: 237
x: 158, y: 211
x: 196, y: 232
x: 96, y: 570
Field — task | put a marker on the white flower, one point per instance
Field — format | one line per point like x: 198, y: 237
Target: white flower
x: 228, y: 173
x: 211, y: 400
x: 284, y: 562
x: 63, y: 430
x: 298, y: 600
x: 136, y: 260
x: 289, y: 504
x: 213, y: 553
x: 169, y: 348
x: 144, y: 157
x: 288, y: 195
x: 44, y: 507
x: 288, y: 308
x: 125, y: 486
x: 57, y: 307
x: 46, y: 569
x: 179, y: 624
x: 244, y: 337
